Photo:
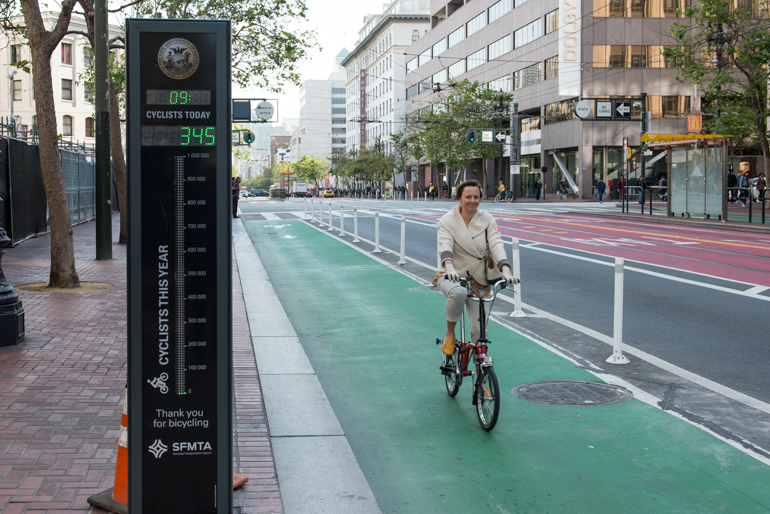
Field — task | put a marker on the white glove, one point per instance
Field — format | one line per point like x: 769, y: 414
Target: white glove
x: 509, y: 278
x: 451, y: 274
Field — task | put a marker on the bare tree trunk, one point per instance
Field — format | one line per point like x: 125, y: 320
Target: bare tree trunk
x: 42, y: 44
x: 118, y: 162
x: 484, y: 178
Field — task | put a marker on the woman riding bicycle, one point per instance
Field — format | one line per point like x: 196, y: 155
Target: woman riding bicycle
x: 469, y: 241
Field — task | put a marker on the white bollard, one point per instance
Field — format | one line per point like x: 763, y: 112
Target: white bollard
x: 342, y: 220
x: 312, y: 211
x: 376, y: 232
x: 320, y: 214
x: 304, y: 206
x: 402, y: 261
x: 516, y: 269
x: 355, y: 225
x: 438, y: 253
x: 330, y: 217
x: 617, y: 356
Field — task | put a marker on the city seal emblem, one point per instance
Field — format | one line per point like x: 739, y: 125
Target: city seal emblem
x: 178, y: 58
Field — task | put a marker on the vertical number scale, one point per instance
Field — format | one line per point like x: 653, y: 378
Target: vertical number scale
x: 181, y: 272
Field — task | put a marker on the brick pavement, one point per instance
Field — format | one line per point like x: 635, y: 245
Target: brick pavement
x: 61, y: 390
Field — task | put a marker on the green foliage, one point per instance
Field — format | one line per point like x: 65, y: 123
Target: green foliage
x: 310, y: 169
x: 266, y: 46
x: 734, y: 86
x: 117, y: 64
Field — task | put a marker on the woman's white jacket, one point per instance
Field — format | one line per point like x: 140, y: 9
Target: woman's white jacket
x: 467, y: 246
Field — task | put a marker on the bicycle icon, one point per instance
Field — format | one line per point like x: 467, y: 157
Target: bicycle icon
x: 160, y: 383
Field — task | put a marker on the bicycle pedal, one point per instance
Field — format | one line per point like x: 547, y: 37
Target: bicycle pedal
x: 438, y: 341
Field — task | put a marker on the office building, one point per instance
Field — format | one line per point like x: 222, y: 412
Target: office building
x: 550, y: 54
x: 375, y: 72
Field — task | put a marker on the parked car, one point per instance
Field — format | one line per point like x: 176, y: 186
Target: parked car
x: 329, y: 193
x: 259, y: 192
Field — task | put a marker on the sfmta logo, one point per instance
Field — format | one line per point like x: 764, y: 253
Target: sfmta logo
x: 158, y: 448
x: 195, y: 446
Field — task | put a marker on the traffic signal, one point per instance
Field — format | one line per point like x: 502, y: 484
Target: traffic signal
x: 248, y: 136
x: 472, y: 136
x: 544, y: 170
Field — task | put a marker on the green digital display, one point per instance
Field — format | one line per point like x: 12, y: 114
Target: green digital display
x: 178, y: 135
x: 178, y: 97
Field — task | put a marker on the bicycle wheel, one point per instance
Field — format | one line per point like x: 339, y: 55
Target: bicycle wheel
x: 487, y: 398
x: 452, y: 378
x: 509, y: 198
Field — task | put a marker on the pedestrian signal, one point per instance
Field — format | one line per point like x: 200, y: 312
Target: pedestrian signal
x: 472, y: 136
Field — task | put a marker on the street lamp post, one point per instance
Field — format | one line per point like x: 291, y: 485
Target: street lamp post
x: 502, y: 107
x: 10, y: 95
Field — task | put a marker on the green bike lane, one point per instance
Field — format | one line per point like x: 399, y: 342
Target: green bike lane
x: 369, y: 333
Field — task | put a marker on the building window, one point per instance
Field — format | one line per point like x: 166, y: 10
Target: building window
x: 527, y: 76
x: 15, y: 53
x: 552, y: 21
x: 411, y: 91
x: 411, y: 65
x: 440, y: 77
x: 338, y: 130
x: 17, y: 90
x: 530, y: 124
x: 66, y: 53
x: 425, y: 85
x: 66, y: 89
x: 456, y: 69
x: 338, y: 90
x: 675, y: 106
x: 338, y: 121
x: 476, y: 59
x: 517, y: 3
x: 89, y: 93
x: 528, y: 33
x: 338, y: 100
x: 89, y: 127
x: 338, y: 141
x: 456, y: 36
x: 475, y: 25
x: 338, y: 110
x: 499, y: 9
x: 552, y: 67
x: 67, y: 126
x: 501, y: 84
x: 500, y: 47
x: 560, y: 111
x: 424, y: 57
x: 640, y: 8
x: 439, y: 47
x: 88, y: 57
x: 630, y: 56
x: 415, y: 35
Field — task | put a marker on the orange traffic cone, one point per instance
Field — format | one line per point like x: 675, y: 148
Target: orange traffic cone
x: 115, y: 499
x: 239, y: 480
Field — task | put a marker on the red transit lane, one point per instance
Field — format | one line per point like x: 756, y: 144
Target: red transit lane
x: 726, y: 254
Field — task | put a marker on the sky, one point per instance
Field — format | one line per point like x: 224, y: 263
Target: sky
x: 336, y: 24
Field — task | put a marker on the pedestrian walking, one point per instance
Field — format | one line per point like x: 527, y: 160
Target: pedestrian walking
x: 468, y: 238
x: 732, y: 182
x: 564, y: 189
x: 743, y: 185
x: 663, y: 184
x: 641, y: 183
x: 600, y: 187
x: 432, y: 191
x: 236, y: 195
x: 538, y: 188
x: 761, y: 185
x: 446, y: 191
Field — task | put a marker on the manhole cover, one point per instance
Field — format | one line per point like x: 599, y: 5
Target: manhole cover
x: 582, y: 394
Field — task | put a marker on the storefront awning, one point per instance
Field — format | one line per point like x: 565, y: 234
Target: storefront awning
x: 668, y: 138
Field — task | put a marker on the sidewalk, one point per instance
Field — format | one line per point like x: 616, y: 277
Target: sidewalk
x: 61, y: 390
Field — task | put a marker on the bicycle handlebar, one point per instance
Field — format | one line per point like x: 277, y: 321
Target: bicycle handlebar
x: 495, y: 287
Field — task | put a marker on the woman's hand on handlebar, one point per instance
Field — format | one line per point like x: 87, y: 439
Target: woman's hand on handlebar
x: 451, y: 273
x: 508, y: 276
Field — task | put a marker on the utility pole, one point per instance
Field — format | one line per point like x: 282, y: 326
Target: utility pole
x: 644, y: 130
x: 515, y: 153
x: 102, y: 147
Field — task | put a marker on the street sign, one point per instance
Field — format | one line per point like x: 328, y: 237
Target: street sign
x: 499, y: 136
x: 622, y: 109
x: 487, y: 136
x: 264, y: 111
x: 582, y: 109
x: 515, y: 169
x: 179, y: 266
x: 603, y: 109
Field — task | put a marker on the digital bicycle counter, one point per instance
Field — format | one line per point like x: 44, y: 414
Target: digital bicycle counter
x: 179, y: 266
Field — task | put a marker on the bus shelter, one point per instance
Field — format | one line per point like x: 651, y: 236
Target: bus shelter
x: 697, y: 173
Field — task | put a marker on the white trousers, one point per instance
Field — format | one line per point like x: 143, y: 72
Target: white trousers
x: 456, y: 299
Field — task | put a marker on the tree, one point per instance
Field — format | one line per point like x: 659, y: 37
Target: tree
x: 310, y: 168
x: 725, y: 47
x: 42, y: 43
x: 441, y: 126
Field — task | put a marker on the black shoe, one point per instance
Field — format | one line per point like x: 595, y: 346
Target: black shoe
x: 236, y: 217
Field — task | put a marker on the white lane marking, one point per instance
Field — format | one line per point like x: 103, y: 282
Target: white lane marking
x: 755, y: 290
x: 643, y: 396
x: 671, y: 241
x: 269, y: 216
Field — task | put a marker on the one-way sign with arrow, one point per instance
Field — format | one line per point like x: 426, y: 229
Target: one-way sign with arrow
x: 622, y: 109
x: 488, y: 136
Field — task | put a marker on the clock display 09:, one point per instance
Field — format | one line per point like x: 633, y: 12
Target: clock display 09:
x: 178, y: 135
x: 178, y: 97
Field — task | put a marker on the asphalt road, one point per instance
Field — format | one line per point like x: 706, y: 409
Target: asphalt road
x: 695, y: 299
